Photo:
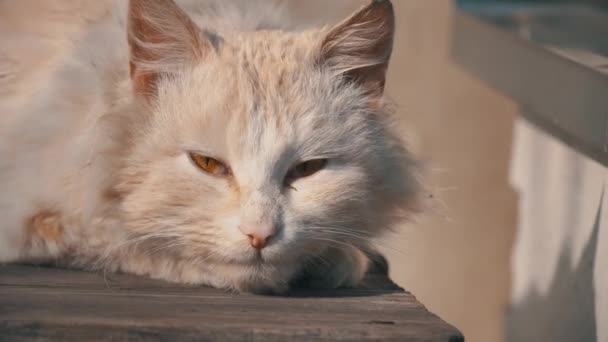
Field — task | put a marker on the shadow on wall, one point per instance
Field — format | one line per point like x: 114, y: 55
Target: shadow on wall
x: 567, y: 311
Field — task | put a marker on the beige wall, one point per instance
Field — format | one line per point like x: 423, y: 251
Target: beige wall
x: 457, y: 256
x: 455, y: 259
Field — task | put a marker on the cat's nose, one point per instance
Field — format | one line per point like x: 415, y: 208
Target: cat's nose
x: 259, y: 234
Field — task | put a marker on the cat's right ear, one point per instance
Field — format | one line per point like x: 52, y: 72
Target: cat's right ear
x: 162, y: 39
x: 359, y: 48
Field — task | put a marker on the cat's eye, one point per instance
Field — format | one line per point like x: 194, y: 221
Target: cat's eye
x: 209, y: 165
x: 305, y: 169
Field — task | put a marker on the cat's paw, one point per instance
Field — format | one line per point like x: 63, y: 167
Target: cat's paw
x: 260, y: 287
x: 337, y: 267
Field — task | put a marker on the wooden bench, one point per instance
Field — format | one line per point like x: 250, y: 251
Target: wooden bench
x: 39, y: 303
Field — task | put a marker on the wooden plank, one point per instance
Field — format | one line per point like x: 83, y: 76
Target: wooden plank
x: 45, y: 303
x: 560, y: 92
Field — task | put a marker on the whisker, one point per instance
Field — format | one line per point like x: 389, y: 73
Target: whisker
x: 367, y: 240
x: 198, y: 260
x: 168, y: 245
x: 355, y: 234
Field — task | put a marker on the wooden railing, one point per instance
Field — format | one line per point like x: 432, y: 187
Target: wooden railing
x: 551, y: 59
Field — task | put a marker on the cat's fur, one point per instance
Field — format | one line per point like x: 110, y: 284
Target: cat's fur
x: 95, y: 130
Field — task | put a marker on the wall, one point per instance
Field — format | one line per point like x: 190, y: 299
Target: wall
x: 457, y: 258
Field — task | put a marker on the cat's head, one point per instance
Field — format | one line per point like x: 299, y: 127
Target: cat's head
x: 255, y: 151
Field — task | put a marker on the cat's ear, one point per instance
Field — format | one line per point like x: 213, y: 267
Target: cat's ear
x: 162, y: 38
x: 359, y: 48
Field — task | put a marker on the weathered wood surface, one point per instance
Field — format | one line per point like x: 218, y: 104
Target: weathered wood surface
x: 38, y: 303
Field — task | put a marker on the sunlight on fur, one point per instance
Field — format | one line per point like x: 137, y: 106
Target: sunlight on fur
x: 201, y: 142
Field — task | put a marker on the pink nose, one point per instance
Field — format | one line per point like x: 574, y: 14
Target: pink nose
x: 259, y: 234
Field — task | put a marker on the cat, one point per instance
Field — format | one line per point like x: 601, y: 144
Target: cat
x: 202, y: 142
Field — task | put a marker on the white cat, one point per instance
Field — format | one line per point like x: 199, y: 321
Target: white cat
x: 199, y: 144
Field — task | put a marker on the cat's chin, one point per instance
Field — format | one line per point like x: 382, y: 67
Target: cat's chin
x: 257, y: 276
x: 273, y: 256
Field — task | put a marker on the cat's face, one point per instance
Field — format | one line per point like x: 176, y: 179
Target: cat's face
x: 258, y: 140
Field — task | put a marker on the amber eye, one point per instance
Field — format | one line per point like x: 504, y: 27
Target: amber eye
x: 305, y: 169
x: 209, y: 165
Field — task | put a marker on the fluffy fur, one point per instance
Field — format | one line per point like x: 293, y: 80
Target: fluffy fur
x: 95, y: 131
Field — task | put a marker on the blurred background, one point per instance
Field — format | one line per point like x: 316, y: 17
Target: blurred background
x: 508, y: 249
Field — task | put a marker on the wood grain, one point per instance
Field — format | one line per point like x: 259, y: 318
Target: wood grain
x: 38, y: 303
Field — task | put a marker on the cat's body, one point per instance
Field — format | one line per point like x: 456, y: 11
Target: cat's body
x: 99, y: 144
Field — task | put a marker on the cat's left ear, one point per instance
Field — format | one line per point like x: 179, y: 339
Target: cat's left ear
x: 359, y: 48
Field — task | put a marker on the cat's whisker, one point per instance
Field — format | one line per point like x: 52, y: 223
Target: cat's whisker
x: 343, y: 230
x: 202, y: 259
x: 167, y: 246
x: 134, y: 241
x: 376, y: 241
x: 367, y: 240
x: 342, y: 234
x: 359, y: 235
x: 340, y: 243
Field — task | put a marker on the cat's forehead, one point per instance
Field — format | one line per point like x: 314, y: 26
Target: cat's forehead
x: 274, y: 50
x: 274, y: 78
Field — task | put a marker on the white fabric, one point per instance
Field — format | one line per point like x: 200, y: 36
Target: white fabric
x: 601, y: 275
x: 560, y: 253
